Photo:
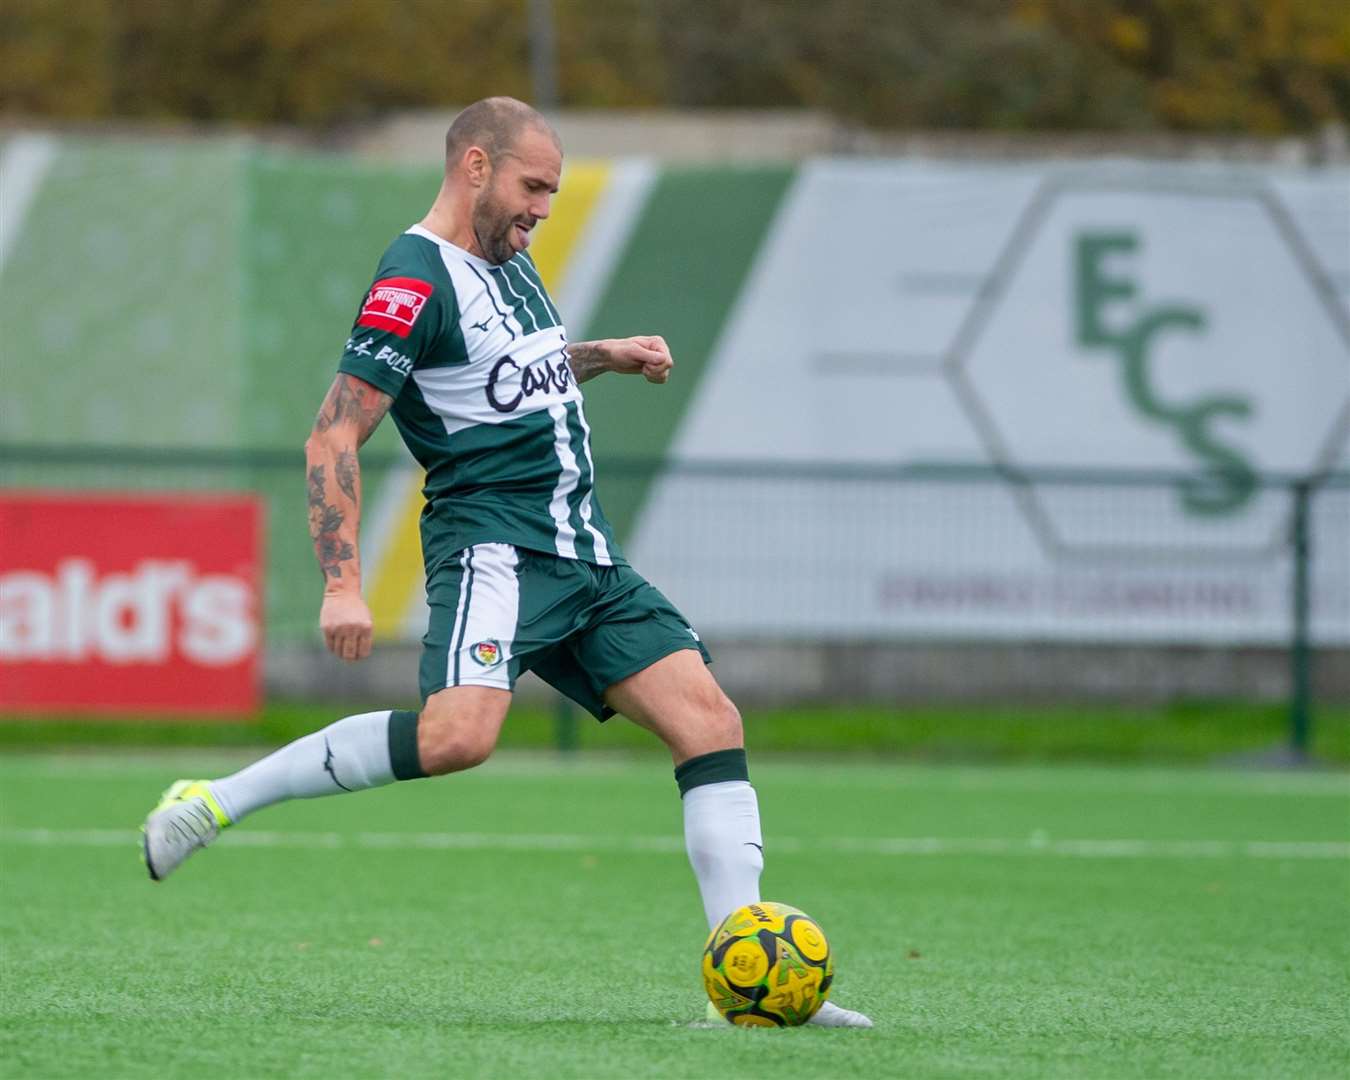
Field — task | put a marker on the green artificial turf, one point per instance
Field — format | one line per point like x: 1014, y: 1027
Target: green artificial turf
x: 537, y: 918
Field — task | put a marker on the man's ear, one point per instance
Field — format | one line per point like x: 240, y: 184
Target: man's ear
x: 477, y: 166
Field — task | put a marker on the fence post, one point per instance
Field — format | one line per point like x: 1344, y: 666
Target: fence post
x: 565, y: 726
x: 1300, y: 650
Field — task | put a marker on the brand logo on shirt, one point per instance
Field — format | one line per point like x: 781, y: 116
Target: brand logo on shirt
x: 396, y: 360
x: 487, y: 652
x: 390, y: 357
x: 543, y: 376
x: 394, y: 304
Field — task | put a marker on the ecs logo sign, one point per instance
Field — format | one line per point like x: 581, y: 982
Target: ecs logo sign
x: 120, y: 604
x: 1170, y: 327
x: 1197, y: 423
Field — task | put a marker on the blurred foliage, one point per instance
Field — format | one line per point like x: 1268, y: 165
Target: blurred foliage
x: 1264, y: 66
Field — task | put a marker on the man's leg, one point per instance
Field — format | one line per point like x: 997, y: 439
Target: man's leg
x: 678, y: 699
x: 456, y: 729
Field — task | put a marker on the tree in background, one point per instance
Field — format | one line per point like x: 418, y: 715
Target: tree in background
x: 1265, y: 66
x: 900, y: 63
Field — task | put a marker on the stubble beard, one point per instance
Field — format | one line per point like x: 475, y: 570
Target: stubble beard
x: 492, y: 225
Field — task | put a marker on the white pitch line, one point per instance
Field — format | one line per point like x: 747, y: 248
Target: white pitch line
x: 1036, y: 845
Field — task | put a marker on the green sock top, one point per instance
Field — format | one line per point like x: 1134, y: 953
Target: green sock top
x: 714, y: 768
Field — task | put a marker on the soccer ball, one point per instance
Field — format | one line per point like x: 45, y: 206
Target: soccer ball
x: 767, y: 965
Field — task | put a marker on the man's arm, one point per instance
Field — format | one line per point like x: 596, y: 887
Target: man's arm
x: 648, y: 355
x: 350, y: 412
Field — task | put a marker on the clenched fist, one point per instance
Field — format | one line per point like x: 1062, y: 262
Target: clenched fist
x: 346, y: 625
x: 645, y: 354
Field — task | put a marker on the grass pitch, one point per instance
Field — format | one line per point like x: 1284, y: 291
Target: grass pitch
x: 538, y: 918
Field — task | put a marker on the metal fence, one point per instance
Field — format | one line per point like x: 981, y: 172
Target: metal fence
x: 955, y: 553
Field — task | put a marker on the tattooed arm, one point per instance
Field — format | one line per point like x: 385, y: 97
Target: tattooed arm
x: 346, y: 418
x: 628, y: 356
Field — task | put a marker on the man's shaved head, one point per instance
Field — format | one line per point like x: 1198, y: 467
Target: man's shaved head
x: 503, y: 164
x: 494, y: 125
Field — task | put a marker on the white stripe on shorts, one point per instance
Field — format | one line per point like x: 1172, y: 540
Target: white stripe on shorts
x: 485, y: 622
x: 453, y: 643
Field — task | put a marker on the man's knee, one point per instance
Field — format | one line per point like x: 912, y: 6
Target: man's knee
x: 458, y: 729
x: 726, y: 722
x: 678, y: 699
x: 443, y: 749
x: 717, y: 726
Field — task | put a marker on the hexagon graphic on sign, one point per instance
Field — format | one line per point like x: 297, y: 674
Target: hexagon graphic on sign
x: 1176, y: 330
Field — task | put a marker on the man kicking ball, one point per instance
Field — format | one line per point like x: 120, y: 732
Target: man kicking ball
x: 459, y: 339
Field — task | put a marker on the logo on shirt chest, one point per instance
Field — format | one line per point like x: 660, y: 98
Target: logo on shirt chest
x: 542, y: 377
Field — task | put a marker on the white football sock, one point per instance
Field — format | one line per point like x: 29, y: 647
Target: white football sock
x: 349, y: 755
x: 726, y: 850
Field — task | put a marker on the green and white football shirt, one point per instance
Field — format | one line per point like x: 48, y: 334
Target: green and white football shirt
x: 473, y: 355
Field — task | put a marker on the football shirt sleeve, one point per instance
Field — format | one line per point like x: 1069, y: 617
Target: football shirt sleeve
x: 396, y: 326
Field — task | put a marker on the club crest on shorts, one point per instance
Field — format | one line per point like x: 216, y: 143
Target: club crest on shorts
x: 487, y: 653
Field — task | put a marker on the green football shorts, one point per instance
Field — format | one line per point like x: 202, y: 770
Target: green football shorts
x: 498, y: 610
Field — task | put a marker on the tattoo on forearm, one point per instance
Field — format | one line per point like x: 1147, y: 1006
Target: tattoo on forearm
x: 344, y: 468
x: 333, y: 552
x: 325, y: 523
x: 586, y: 360
x: 352, y: 401
x: 317, y: 486
x: 351, y: 411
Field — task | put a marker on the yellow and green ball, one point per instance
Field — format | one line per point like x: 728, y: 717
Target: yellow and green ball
x: 767, y: 965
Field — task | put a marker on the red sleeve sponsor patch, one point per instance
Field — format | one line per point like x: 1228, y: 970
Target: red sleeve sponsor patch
x: 394, y: 303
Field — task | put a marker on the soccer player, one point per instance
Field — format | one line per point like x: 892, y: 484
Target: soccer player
x: 457, y: 337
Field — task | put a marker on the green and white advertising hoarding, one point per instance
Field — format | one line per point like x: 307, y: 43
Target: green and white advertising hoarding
x: 841, y: 316
x: 1119, y: 317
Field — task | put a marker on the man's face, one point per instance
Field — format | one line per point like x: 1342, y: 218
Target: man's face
x: 524, y: 180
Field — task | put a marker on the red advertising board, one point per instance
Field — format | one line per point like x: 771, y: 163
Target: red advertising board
x: 129, y: 603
